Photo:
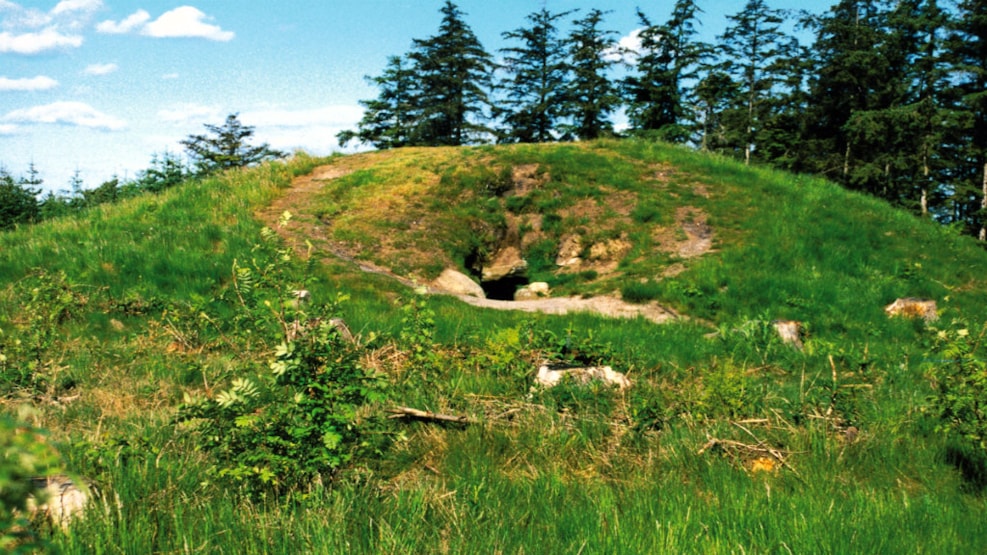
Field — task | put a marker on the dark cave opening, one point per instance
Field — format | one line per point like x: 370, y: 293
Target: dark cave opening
x: 503, y: 289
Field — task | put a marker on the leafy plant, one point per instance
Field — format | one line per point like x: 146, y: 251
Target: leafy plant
x: 46, y: 300
x: 23, y: 455
x: 959, y: 404
x: 297, y: 425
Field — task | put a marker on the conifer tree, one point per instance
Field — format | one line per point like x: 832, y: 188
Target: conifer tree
x: 537, y: 74
x: 226, y: 147
x: 389, y: 120
x: 454, y: 77
x: 591, y: 95
x: 750, y: 48
x: 968, y: 49
x: 18, y: 199
x: 667, y: 58
x: 850, y: 73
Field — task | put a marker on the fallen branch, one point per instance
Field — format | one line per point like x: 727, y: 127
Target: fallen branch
x: 428, y: 416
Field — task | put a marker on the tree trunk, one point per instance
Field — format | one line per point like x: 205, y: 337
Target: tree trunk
x: 846, y: 161
x: 983, y: 206
x: 925, y: 190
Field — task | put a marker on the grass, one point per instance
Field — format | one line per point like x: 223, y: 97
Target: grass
x: 573, y: 470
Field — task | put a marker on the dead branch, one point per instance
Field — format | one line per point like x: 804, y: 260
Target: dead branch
x: 428, y: 416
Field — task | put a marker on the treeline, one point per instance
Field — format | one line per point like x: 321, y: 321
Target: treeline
x: 225, y: 146
x: 21, y: 200
x: 889, y: 98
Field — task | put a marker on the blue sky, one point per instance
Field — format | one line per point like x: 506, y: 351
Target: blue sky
x: 99, y: 86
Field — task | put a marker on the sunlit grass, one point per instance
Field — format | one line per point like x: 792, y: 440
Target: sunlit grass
x: 539, y: 472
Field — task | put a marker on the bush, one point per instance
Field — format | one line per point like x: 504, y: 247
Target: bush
x: 295, y: 426
x: 959, y: 404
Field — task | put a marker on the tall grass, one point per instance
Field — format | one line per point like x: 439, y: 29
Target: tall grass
x: 570, y: 471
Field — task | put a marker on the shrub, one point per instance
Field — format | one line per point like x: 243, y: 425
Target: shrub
x: 46, y: 300
x: 959, y: 403
x: 295, y: 426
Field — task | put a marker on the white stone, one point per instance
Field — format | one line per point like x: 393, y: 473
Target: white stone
x: 549, y: 378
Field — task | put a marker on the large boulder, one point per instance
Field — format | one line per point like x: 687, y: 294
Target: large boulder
x: 458, y: 283
x: 507, y: 262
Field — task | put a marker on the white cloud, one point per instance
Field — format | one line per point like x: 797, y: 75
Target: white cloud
x: 67, y: 113
x: 627, y: 48
x: 8, y: 128
x: 39, y: 83
x: 191, y: 113
x: 100, y: 69
x: 19, y: 17
x: 131, y: 23
x: 69, y: 6
x: 36, y: 43
x: 185, y: 21
x: 170, y: 76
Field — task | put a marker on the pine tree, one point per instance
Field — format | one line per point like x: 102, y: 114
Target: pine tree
x: 968, y: 48
x: 18, y: 200
x: 667, y: 58
x: 389, y: 120
x: 454, y: 75
x: 591, y: 96
x: 750, y: 48
x: 852, y: 82
x: 226, y: 147
x: 537, y: 74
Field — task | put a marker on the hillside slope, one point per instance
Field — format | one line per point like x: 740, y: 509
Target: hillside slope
x: 716, y: 241
x: 115, y: 323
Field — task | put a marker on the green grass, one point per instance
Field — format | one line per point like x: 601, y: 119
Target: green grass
x: 566, y: 471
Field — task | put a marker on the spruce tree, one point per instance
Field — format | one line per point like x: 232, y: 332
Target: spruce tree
x: 18, y: 199
x: 389, y: 121
x: 454, y: 77
x: 226, y: 146
x: 968, y: 50
x: 850, y: 75
x: 666, y: 60
x: 750, y: 48
x: 534, y: 87
x: 591, y: 95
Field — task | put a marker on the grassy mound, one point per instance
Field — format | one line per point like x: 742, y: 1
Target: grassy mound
x: 116, y: 322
